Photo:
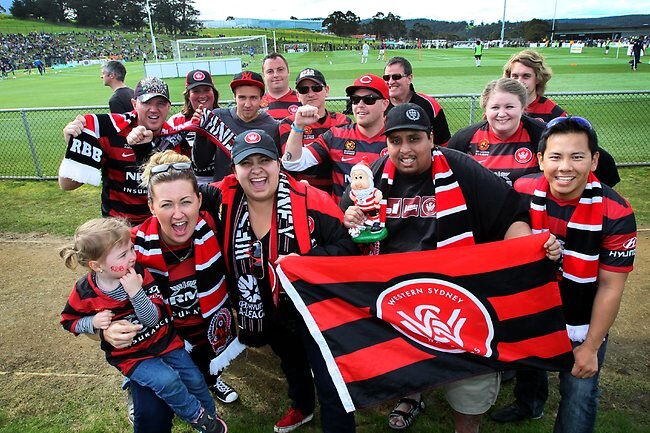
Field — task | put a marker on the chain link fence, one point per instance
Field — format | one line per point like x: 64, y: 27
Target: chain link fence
x: 32, y: 146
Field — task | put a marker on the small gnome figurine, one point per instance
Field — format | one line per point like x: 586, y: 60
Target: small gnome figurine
x: 364, y: 195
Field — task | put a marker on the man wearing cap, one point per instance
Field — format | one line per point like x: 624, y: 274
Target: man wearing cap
x: 346, y: 145
x: 265, y: 214
x: 126, y: 141
x: 279, y: 101
x: 247, y: 88
x: 483, y: 209
x: 398, y: 74
x: 313, y: 90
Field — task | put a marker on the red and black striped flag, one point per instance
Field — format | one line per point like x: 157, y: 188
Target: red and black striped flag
x: 393, y: 324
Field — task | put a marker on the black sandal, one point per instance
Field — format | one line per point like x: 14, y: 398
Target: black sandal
x: 407, y: 416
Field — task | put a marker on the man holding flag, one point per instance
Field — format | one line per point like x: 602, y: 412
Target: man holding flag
x: 435, y: 198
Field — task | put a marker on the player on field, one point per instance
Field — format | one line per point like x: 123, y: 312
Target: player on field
x: 312, y: 90
x: 478, y: 52
x: 346, y: 145
x: 279, y: 101
x: 398, y: 73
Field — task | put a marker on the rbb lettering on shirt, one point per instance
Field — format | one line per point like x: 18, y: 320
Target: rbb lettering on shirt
x: 85, y: 149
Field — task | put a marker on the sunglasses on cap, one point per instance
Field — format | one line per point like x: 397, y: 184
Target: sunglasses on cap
x: 577, y: 119
x: 256, y: 260
x: 163, y: 168
x: 395, y: 77
x: 303, y: 90
x: 367, y: 99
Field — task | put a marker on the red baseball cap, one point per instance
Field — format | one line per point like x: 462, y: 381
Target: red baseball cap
x: 247, y: 78
x: 369, y: 81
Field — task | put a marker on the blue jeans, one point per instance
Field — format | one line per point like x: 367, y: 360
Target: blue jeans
x: 531, y: 391
x: 177, y: 381
x: 579, y: 400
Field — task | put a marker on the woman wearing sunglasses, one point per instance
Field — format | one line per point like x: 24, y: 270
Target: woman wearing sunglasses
x: 506, y: 141
x: 265, y: 215
x: 178, y: 245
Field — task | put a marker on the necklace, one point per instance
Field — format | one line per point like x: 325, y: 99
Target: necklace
x: 184, y: 257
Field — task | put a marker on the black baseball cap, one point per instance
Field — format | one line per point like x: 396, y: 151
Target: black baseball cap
x: 407, y: 116
x: 247, y: 78
x: 252, y: 142
x: 150, y: 87
x: 311, y: 74
x: 198, y: 77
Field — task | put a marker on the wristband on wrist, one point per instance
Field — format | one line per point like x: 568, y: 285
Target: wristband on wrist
x: 295, y: 128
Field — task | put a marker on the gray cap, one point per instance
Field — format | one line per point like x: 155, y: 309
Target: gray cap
x: 253, y: 142
x: 407, y: 116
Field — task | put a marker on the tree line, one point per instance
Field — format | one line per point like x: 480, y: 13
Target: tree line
x: 169, y: 16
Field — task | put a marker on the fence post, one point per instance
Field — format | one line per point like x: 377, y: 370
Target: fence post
x: 472, y: 109
x: 39, y: 172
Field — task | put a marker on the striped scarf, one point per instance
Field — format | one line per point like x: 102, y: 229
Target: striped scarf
x: 452, y: 220
x: 581, y: 247
x: 210, y: 284
x: 255, y: 306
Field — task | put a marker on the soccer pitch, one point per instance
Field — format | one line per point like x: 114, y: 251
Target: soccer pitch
x: 436, y: 72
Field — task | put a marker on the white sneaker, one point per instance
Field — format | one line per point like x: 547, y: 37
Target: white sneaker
x: 224, y: 392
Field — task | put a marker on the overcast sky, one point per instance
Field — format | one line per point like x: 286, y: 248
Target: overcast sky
x: 487, y: 11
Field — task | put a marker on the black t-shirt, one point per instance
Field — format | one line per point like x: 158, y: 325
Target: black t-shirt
x: 120, y: 102
x: 492, y: 204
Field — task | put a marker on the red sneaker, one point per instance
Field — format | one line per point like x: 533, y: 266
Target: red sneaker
x: 291, y: 420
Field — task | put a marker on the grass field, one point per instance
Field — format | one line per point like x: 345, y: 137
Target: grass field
x: 438, y: 72
x: 55, y: 383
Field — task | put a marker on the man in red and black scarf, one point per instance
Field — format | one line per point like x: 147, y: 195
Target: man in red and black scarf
x: 598, y: 231
x: 98, y: 150
x: 438, y: 198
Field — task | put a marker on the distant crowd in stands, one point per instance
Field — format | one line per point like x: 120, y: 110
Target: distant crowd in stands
x: 21, y: 50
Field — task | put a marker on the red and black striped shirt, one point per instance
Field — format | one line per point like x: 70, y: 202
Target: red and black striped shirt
x: 544, y: 109
x: 320, y: 175
x: 281, y: 107
x: 344, y: 146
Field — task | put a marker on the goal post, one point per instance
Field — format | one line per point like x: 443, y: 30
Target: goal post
x: 209, y: 48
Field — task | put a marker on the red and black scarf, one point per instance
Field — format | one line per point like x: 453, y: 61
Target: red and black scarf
x: 581, y: 248
x: 83, y: 157
x: 255, y: 305
x: 452, y: 219
x: 210, y: 284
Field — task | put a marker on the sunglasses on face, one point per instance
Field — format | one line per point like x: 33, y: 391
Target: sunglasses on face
x: 395, y: 77
x: 163, y: 168
x: 256, y: 254
x: 577, y: 119
x: 367, y: 99
x: 303, y: 90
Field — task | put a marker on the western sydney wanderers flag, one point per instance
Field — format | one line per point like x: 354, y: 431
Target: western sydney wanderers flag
x: 393, y: 324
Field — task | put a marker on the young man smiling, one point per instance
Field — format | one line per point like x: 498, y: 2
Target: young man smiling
x: 346, y: 145
x: 279, y: 101
x: 598, y: 231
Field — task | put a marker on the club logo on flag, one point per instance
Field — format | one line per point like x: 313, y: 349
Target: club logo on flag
x: 439, y: 315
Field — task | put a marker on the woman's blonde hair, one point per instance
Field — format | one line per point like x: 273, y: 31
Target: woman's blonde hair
x: 507, y: 85
x: 94, y: 239
x: 149, y: 180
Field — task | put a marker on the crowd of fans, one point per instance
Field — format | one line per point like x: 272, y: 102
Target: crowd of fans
x: 21, y: 50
